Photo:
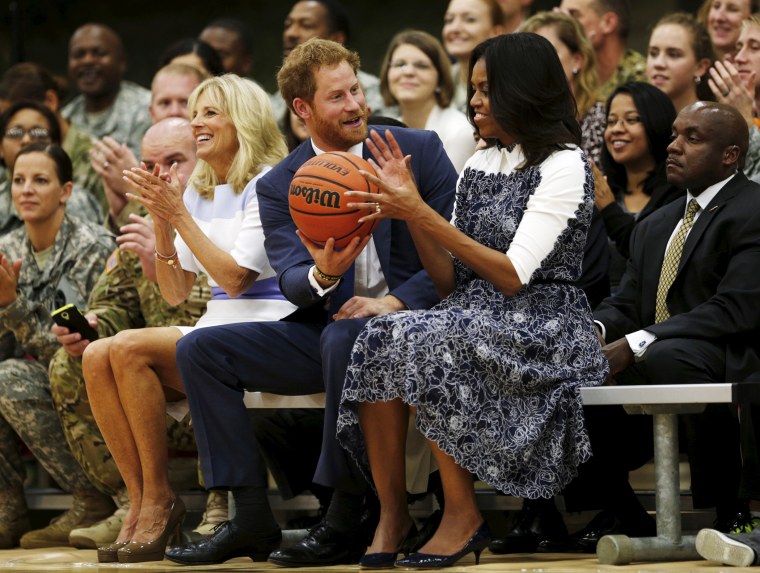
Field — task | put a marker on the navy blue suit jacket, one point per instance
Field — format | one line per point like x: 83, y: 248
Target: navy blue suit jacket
x: 716, y: 293
x: 407, y: 281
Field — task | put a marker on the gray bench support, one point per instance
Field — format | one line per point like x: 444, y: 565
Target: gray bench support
x: 664, y: 403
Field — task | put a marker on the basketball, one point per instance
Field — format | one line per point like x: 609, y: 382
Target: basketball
x: 317, y: 203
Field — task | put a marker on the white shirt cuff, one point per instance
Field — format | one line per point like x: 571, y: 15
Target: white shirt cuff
x: 639, y: 341
x: 604, y: 330
x: 317, y: 287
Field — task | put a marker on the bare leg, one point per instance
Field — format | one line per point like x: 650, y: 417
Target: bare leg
x: 384, y: 425
x: 144, y: 364
x: 461, y: 516
x: 109, y: 415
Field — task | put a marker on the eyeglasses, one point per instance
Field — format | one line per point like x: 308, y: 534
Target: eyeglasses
x: 35, y: 133
x: 417, y: 65
x: 630, y: 120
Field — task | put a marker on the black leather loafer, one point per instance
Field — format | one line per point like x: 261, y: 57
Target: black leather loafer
x: 228, y: 541
x: 536, y: 529
x: 324, y: 545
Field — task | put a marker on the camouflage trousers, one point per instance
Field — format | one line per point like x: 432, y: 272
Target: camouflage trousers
x: 81, y: 432
x: 27, y: 412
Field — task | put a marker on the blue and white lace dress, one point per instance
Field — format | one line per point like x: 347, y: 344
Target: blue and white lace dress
x: 495, y: 379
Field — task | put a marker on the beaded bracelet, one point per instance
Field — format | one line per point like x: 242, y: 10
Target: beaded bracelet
x: 326, y: 277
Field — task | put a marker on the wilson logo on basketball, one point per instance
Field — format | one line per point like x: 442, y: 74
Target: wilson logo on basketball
x: 330, y: 199
x: 316, y: 198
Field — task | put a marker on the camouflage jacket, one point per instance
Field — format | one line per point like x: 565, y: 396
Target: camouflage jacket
x: 126, y: 120
x: 79, y: 251
x: 9, y: 219
x: 78, y: 144
x: 631, y: 68
x: 123, y: 298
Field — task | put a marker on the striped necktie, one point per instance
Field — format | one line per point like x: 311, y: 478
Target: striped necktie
x: 671, y: 261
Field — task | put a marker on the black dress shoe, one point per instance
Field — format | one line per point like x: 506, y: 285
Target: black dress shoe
x: 605, y: 523
x: 324, y: 545
x: 226, y: 542
x: 538, y: 528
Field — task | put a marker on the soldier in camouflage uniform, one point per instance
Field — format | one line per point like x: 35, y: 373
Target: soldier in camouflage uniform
x: 50, y: 276
x: 607, y: 24
x: 107, y: 104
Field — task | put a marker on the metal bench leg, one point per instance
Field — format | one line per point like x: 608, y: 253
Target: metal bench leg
x: 669, y: 545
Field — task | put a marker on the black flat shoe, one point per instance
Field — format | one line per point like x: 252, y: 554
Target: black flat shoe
x: 324, y: 545
x: 537, y: 528
x: 387, y: 560
x: 476, y: 544
x: 227, y: 541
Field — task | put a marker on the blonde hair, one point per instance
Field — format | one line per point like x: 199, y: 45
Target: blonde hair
x: 260, y: 142
x: 752, y: 20
x: 570, y: 33
x: 296, y: 76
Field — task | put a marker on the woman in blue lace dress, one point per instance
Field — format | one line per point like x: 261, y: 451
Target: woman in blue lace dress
x: 492, y: 372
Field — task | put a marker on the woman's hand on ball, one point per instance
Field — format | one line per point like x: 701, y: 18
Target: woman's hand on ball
x: 399, y: 197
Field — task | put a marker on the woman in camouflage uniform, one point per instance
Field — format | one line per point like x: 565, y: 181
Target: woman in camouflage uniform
x: 50, y: 261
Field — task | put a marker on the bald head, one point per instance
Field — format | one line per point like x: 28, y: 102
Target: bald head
x: 727, y: 123
x: 710, y: 144
x: 97, y: 64
x: 170, y: 141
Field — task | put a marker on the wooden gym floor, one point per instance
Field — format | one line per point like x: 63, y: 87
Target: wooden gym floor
x: 66, y: 559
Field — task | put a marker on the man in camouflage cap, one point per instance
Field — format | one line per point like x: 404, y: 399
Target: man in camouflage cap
x: 126, y: 297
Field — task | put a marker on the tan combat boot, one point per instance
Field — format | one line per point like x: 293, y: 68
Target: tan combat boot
x: 104, y: 531
x: 216, y: 512
x: 88, y: 507
x: 14, y: 519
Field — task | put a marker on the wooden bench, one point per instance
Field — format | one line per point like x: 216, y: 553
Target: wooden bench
x: 664, y: 403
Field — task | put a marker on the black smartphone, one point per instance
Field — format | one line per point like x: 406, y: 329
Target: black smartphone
x: 70, y: 317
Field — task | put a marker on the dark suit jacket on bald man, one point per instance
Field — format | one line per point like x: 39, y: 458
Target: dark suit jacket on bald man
x: 713, y: 332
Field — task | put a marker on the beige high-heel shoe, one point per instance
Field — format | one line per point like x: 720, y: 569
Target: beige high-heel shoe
x: 108, y: 553
x: 140, y: 551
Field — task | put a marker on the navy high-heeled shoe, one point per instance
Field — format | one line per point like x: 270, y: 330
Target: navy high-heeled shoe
x: 387, y: 560
x: 476, y: 544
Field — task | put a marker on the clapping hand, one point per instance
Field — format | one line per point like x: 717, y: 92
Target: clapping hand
x: 9, y: 273
x: 398, y: 197
x: 728, y: 87
x: 161, y: 194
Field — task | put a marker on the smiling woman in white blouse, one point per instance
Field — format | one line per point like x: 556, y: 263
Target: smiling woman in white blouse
x: 416, y: 76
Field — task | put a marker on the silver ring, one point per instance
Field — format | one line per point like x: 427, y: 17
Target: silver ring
x: 377, y: 208
x: 725, y: 93
x: 106, y: 164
